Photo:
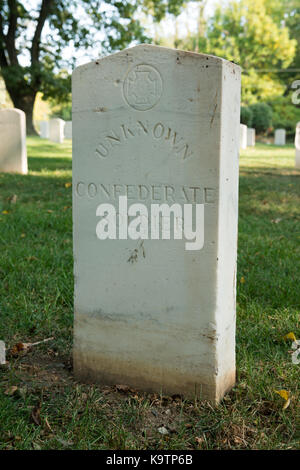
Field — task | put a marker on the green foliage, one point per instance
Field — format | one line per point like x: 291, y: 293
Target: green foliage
x: 41, y: 31
x: 252, y: 33
x: 246, y: 116
x: 285, y: 114
x: 245, y: 33
x: 63, y: 111
x: 261, y: 117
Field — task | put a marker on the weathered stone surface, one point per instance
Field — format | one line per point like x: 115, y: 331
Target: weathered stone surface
x: 279, y: 137
x: 44, y: 129
x: 250, y: 137
x: 297, y: 146
x: 56, y: 130
x: 243, y: 136
x: 68, y: 130
x: 13, y: 154
x: 160, y: 126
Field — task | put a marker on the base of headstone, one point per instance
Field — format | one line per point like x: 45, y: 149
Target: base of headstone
x: 93, y: 367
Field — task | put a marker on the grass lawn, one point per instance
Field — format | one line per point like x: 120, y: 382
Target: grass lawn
x: 42, y: 407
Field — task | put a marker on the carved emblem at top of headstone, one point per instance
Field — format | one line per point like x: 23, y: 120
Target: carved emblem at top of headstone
x: 143, y: 87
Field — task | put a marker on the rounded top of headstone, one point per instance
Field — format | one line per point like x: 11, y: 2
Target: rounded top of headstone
x: 12, y: 110
x: 148, y: 50
x: 57, y: 120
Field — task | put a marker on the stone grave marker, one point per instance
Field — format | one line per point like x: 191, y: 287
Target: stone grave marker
x: 250, y: 137
x: 68, y: 130
x: 56, y: 130
x: 279, y: 137
x: 44, y: 129
x: 156, y: 130
x: 13, y: 154
x: 243, y: 136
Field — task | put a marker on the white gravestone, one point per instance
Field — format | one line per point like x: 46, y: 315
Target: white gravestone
x: 297, y: 146
x: 56, y: 130
x: 68, y: 130
x: 156, y: 126
x: 243, y: 136
x: 13, y: 154
x: 279, y: 137
x: 44, y: 129
x: 250, y: 137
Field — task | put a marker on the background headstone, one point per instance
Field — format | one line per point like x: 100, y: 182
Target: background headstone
x: 250, y: 137
x: 243, y: 136
x: 297, y: 145
x: 56, y: 130
x: 279, y: 137
x: 13, y: 154
x: 159, y: 126
x: 68, y: 130
x: 44, y: 129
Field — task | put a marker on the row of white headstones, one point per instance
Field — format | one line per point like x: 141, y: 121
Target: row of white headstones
x: 13, y: 155
x: 247, y: 137
x: 13, y: 152
x: 56, y: 130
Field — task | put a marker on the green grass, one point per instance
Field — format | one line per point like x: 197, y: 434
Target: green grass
x: 36, y: 302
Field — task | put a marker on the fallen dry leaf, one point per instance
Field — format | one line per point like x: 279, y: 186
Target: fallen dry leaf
x: 283, y: 393
x: 24, y: 347
x: 124, y: 388
x: 286, y: 396
x: 199, y: 440
x: 47, y: 424
x: 11, y: 390
x: 32, y: 258
x: 36, y: 416
x: 286, y: 404
x: 13, y: 199
x: 290, y: 336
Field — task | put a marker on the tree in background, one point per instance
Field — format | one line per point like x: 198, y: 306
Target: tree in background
x: 263, y: 36
x: 287, y: 12
x: 37, y: 33
x: 244, y: 32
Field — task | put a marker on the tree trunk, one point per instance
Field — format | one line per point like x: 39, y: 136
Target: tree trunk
x: 26, y: 103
